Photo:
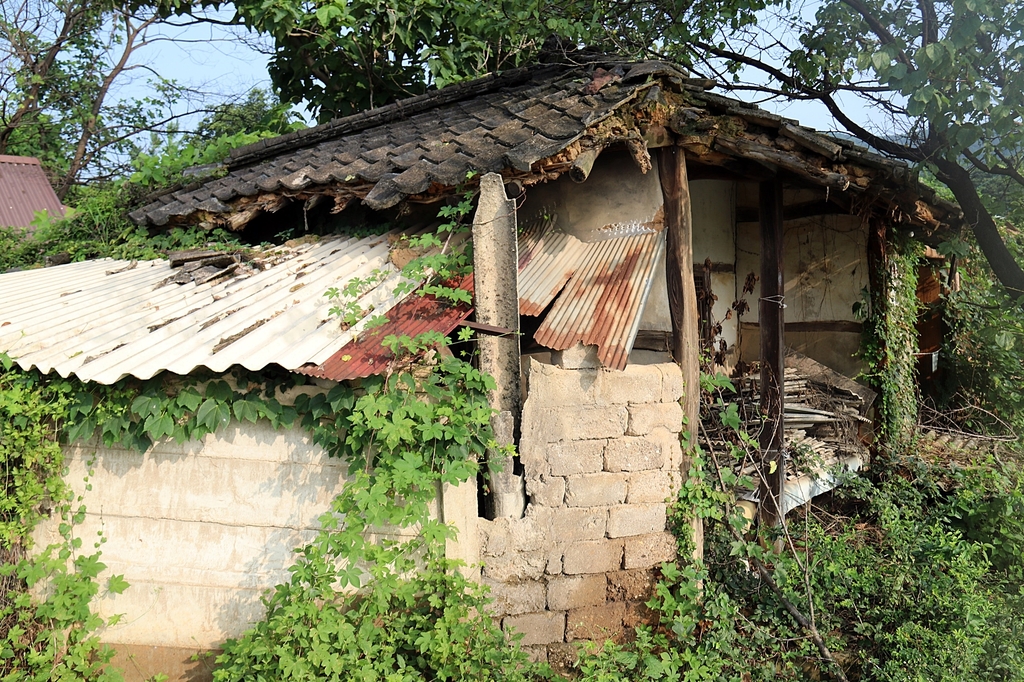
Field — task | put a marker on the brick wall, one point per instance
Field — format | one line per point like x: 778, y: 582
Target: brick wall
x: 601, y: 453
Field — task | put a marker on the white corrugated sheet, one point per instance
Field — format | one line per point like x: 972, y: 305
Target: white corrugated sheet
x: 104, y: 319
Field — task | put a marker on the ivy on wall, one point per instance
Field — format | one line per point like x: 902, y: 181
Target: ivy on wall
x: 890, y: 341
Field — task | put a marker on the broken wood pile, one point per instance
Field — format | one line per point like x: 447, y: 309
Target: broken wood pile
x: 825, y: 416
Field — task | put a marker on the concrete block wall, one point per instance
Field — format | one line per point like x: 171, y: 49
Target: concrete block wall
x: 200, y: 530
x: 601, y: 453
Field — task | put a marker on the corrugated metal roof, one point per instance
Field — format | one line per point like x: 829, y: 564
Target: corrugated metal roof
x: 24, y: 190
x: 365, y: 356
x: 102, y: 320
x: 603, y: 300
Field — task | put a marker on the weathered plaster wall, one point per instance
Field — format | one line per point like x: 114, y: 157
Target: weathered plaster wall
x: 825, y: 267
x: 601, y: 453
x: 714, y: 237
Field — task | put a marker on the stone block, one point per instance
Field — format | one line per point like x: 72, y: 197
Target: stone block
x: 573, y: 592
x: 537, y: 653
x: 511, y: 599
x: 633, y: 454
x: 546, y: 491
x: 633, y: 585
x: 576, y: 457
x: 570, y: 524
x: 537, y: 628
x: 643, y: 551
x: 672, y: 388
x: 577, y: 357
x: 645, y: 418
x: 635, y: 519
x: 551, y: 386
x: 596, y: 622
x: 592, y: 556
x: 595, y: 490
x: 652, y: 486
x: 515, y: 567
x: 635, y: 384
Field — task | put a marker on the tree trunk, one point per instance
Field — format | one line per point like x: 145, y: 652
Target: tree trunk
x: 1006, y: 269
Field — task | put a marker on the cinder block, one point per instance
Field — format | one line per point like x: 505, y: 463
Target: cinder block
x: 563, y: 657
x: 537, y: 653
x: 635, y: 519
x: 537, y: 628
x: 595, y: 622
x: 573, y: 592
x: 592, y: 556
x: 511, y: 599
x: 672, y: 387
x: 579, y: 356
x: 551, y: 425
x: 546, y: 491
x: 633, y: 585
x: 513, y: 567
x: 552, y: 386
x: 570, y: 524
x: 671, y: 449
x: 652, y: 486
x: 528, y: 534
x: 638, y: 613
x: 554, y: 563
x: 643, y: 551
x: 645, y: 418
x: 595, y: 490
x: 576, y: 457
x: 635, y: 384
x: 495, y: 536
x: 633, y: 454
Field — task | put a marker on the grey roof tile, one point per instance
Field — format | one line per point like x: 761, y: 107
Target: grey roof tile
x: 507, y: 120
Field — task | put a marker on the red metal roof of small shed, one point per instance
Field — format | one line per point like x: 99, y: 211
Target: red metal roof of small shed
x: 24, y: 190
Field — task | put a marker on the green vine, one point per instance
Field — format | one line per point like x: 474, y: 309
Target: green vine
x: 373, y: 596
x: 890, y: 341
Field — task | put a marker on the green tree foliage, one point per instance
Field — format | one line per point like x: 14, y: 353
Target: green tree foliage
x: 62, y: 63
x: 945, y: 74
x: 344, y: 56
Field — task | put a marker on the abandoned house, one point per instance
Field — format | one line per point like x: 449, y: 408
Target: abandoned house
x: 629, y: 223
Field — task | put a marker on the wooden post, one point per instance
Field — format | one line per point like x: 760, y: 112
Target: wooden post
x: 496, y: 297
x: 771, y: 320
x: 682, y: 295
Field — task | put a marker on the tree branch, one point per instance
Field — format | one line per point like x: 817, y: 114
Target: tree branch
x: 879, y: 29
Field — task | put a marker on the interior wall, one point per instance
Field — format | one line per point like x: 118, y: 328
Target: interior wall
x: 826, y: 273
x: 714, y: 238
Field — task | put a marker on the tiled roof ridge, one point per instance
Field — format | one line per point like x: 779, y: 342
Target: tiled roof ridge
x: 263, y: 149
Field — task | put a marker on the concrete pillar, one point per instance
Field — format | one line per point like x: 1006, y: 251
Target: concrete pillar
x: 496, y: 269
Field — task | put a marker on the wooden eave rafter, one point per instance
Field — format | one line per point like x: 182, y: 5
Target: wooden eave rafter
x: 722, y: 138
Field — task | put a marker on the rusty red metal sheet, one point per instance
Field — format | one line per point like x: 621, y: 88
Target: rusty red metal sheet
x: 366, y: 356
x: 602, y: 302
x: 24, y: 190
